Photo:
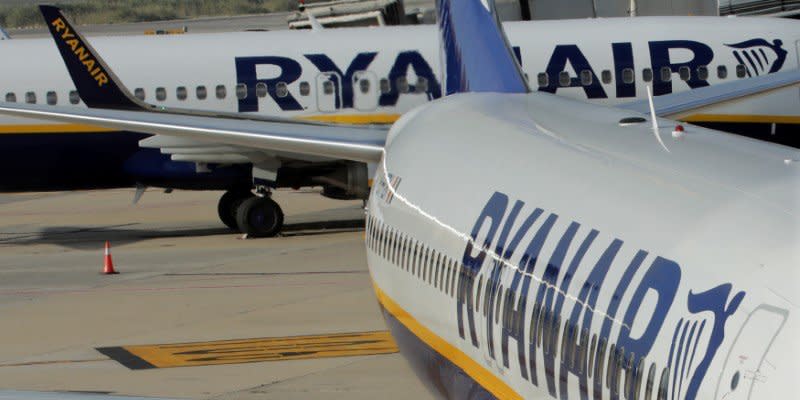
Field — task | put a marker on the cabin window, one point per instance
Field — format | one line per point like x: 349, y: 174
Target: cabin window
x: 612, y: 355
x: 702, y: 72
x: 281, y: 89
x: 722, y: 72
x: 74, y: 97
x: 590, y: 365
x: 586, y: 77
x: 666, y: 74
x: 327, y: 87
x: 52, y: 98
x: 363, y: 85
x: 30, y: 98
x: 532, y: 337
x: 543, y: 79
x: 478, y: 295
x: 583, y: 350
x: 606, y: 76
x: 11, y: 97
x: 181, y: 93
x: 139, y: 93
x: 663, y: 385
x: 161, y: 94
x: 598, y: 360
x: 201, y: 92
x: 544, y: 318
x: 385, y: 87
x: 565, y: 344
x: 221, y: 92
x: 741, y: 71
x: 261, y: 89
x: 627, y: 75
x: 305, y: 88
x: 241, y: 91
x: 422, y: 85
x: 685, y: 73
x: 648, y: 388
x: 647, y: 75
x: 437, y: 282
x: 555, y: 328
x: 637, y: 385
x: 402, y: 84
x: 564, y: 79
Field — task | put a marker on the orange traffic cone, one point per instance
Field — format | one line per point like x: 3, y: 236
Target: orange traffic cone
x: 108, y: 264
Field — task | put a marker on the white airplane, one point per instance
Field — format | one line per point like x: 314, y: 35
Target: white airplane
x: 525, y: 245
x: 311, y: 76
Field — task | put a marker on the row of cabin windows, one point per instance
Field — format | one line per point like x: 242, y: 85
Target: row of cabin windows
x: 51, y: 97
x: 221, y: 92
x: 607, y: 364
x: 665, y: 75
x: 401, y: 84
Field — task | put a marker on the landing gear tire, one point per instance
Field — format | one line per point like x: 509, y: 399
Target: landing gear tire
x: 260, y: 217
x: 229, y: 205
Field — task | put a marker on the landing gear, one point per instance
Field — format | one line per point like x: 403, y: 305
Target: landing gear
x: 259, y: 217
x: 229, y: 205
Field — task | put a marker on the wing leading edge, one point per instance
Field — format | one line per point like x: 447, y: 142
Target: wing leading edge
x: 682, y: 104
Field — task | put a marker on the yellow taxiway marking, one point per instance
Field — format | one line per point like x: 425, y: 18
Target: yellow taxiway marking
x: 252, y: 350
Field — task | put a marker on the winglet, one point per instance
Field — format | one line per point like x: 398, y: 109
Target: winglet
x: 97, y: 85
x: 475, y: 53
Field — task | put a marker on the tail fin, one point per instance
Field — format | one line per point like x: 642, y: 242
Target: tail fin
x: 476, y: 56
x: 95, y: 82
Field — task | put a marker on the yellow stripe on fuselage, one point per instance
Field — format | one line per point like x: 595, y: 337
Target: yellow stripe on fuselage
x: 52, y: 128
x: 742, y: 118
x: 356, y: 119
x: 484, y: 377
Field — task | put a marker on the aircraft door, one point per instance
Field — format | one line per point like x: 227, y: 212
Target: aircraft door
x: 365, y: 91
x: 329, y: 91
x: 745, y: 366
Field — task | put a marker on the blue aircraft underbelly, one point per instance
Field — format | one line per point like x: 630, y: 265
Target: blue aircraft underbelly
x: 80, y: 161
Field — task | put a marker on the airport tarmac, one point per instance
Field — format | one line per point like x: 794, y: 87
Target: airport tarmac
x: 185, y: 279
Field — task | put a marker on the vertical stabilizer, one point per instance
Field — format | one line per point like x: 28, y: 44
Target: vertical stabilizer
x: 475, y: 55
x: 95, y: 82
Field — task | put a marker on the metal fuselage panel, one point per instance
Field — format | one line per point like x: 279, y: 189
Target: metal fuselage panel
x: 684, y: 261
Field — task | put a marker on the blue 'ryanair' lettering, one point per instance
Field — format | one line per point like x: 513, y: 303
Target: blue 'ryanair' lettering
x: 544, y: 337
x: 758, y: 55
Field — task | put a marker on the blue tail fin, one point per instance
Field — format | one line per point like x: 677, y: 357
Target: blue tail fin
x: 476, y: 56
x: 96, y: 83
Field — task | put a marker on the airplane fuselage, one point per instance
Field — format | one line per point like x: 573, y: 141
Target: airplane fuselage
x: 563, y: 256
x: 372, y: 75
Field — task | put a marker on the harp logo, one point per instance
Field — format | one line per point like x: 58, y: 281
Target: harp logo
x: 759, y: 56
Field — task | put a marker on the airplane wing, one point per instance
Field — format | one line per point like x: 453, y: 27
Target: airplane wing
x: 357, y: 143
x: 682, y: 104
x: 100, y: 88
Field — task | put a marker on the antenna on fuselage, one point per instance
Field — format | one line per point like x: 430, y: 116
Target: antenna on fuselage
x: 314, y: 22
x: 654, y: 118
x: 632, y: 11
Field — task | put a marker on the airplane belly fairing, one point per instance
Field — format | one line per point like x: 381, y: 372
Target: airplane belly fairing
x: 83, y: 158
x: 594, y: 263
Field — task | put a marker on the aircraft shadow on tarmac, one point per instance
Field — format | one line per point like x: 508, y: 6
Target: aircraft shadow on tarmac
x: 89, y: 238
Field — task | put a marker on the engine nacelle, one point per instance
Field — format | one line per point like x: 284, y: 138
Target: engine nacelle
x: 349, y: 182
